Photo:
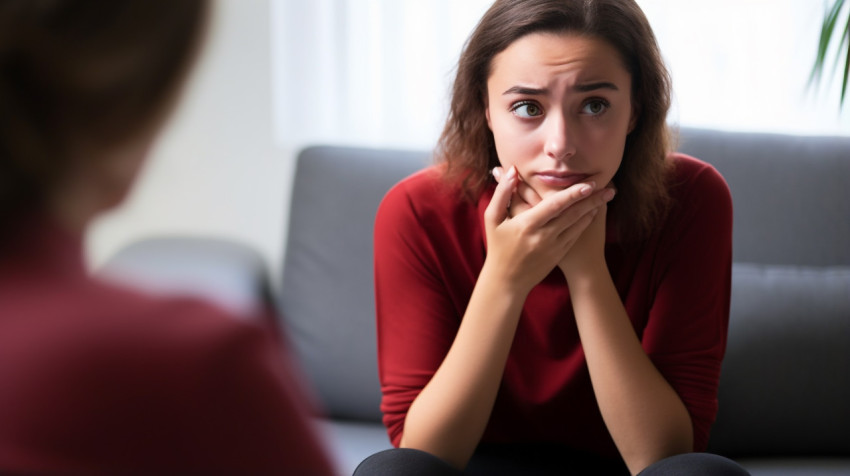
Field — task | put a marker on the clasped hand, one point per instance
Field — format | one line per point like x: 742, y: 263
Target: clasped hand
x: 527, y: 236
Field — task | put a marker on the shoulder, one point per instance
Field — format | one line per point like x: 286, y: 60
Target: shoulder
x: 693, y: 178
x: 700, y: 198
x: 94, y: 327
x: 179, y: 327
x: 424, y: 198
x: 423, y: 189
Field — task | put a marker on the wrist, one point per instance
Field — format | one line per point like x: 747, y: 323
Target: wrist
x: 581, y: 276
x: 504, y: 279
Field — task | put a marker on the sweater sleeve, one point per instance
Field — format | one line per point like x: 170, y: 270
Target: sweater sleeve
x: 416, y: 319
x: 686, y: 332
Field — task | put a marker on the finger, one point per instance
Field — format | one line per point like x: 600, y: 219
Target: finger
x: 524, y: 197
x: 596, y: 201
x: 527, y: 194
x: 518, y: 204
x: 571, y: 235
x: 497, y: 173
x: 497, y: 210
x: 556, y: 204
x: 577, y: 227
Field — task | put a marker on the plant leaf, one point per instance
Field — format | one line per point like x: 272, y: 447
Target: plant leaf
x: 827, y: 30
x: 845, y: 39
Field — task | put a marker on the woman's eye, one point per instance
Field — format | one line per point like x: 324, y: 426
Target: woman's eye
x: 527, y: 109
x: 595, y: 107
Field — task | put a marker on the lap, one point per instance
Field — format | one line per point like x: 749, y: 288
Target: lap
x: 695, y: 464
x: 538, y: 460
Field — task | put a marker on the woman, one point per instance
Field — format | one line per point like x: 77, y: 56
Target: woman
x: 94, y: 378
x: 539, y: 325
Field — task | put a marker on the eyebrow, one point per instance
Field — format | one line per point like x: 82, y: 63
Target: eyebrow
x: 581, y: 88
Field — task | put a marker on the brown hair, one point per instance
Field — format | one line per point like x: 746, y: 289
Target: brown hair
x: 88, y: 74
x: 467, y: 147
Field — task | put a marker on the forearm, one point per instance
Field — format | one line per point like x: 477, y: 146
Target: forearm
x: 449, y: 416
x: 645, y: 416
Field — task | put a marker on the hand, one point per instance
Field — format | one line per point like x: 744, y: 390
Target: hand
x: 525, y: 196
x: 588, y: 252
x: 589, y: 247
x: 527, y: 241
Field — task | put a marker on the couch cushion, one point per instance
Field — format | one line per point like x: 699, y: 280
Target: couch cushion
x: 350, y: 442
x: 327, y: 295
x: 797, y: 466
x: 791, y: 194
x: 785, y: 388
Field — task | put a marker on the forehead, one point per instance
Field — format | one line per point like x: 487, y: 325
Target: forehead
x: 537, y: 55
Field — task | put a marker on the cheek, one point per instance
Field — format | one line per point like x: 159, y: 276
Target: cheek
x: 613, y: 157
x: 514, y: 145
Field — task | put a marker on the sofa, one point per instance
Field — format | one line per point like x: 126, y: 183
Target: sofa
x: 785, y: 385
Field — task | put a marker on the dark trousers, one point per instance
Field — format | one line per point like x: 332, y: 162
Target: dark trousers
x: 539, y: 460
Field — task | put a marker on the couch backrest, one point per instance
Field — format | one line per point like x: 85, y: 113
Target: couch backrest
x: 786, y: 376
x: 327, y: 293
x: 791, y: 194
x: 784, y: 387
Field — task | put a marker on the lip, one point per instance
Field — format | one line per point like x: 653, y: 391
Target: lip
x: 558, y: 179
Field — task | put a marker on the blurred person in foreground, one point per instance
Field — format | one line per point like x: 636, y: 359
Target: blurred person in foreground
x: 95, y: 378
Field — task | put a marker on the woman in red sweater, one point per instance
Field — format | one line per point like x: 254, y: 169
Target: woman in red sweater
x: 553, y: 297
x: 96, y: 379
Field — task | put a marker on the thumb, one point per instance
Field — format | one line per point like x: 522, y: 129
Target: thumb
x: 497, y: 210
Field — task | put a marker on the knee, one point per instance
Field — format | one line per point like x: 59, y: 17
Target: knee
x: 695, y: 464
x: 405, y: 461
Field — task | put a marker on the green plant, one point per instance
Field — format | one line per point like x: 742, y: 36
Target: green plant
x: 828, y: 32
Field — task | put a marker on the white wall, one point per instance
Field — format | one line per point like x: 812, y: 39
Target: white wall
x: 215, y: 170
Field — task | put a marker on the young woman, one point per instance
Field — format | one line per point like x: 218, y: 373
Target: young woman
x: 566, y: 314
x: 95, y: 379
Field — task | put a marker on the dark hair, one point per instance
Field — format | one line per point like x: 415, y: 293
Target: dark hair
x: 467, y: 146
x: 84, y: 75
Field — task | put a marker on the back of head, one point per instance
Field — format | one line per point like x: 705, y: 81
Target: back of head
x: 82, y: 77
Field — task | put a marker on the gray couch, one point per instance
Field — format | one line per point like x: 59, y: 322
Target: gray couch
x: 785, y: 386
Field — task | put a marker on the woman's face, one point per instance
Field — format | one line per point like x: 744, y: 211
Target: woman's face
x: 559, y: 107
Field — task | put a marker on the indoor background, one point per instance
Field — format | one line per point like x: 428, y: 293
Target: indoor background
x: 277, y: 75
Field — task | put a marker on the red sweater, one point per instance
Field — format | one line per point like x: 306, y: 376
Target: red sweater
x: 96, y: 379
x: 430, y: 248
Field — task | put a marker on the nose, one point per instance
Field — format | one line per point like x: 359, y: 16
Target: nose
x: 559, y: 144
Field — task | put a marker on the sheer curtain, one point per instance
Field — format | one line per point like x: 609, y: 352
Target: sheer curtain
x: 366, y: 71
x: 378, y: 72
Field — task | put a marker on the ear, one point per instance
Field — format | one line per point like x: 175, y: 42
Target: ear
x: 633, y: 119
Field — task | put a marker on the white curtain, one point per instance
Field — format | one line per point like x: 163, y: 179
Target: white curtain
x: 378, y: 72
x: 366, y: 71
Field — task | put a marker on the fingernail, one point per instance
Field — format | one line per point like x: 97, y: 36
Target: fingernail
x: 586, y: 189
x: 609, y: 195
x: 496, y: 173
x: 512, y: 172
